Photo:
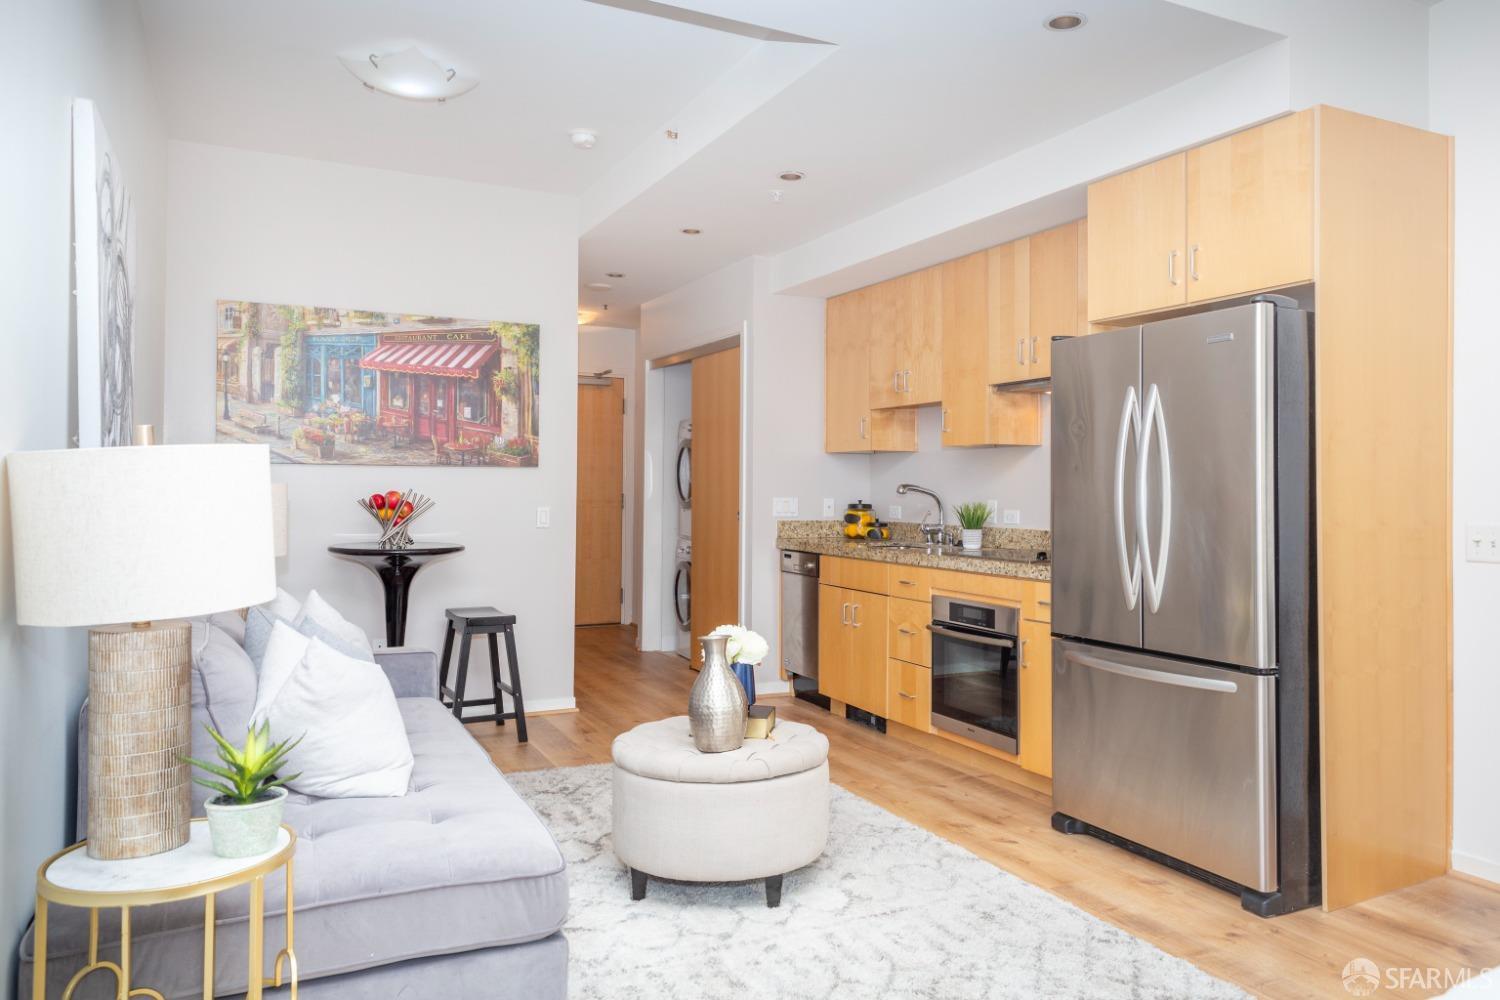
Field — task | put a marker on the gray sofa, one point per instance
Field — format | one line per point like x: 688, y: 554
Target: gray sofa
x: 454, y: 890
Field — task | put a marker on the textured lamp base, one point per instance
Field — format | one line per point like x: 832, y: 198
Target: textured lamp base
x: 140, y: 723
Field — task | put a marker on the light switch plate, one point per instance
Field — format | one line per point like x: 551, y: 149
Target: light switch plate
x: 828, y: 507
x: 895, y: 512
x: 544, y: 517
x: 1482, y: 543
x: 1012, y: 517
x: 994, y: 506
x: 783, y: 506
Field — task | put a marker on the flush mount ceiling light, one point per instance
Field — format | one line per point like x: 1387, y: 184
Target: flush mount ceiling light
x: 691, y: 232
x: 792, y: 175
x: 411, y: 74
x: 583, y: 138
x: 602, y: 286
x: 1065, y: 22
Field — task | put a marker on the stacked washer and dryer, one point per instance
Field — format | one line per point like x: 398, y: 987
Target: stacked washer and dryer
x: 682, y: 584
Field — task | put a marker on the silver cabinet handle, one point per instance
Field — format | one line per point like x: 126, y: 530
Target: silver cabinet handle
x: 905, y: 631
x: 1172, y: 266
x: 1193, y: 261
x: 1154, y: 571
x: 1033, y: 350
x: 945, y: 420
x: 855, y: 619
x: 895, y: 381
x: 1021, y: 655
x: 844, y: 619
x: 862, y: 434
x: 1044, y: 604
x: 909, y: 697
x: 907, y: 381
x: 1130, y: 563
x: 1021, y: 351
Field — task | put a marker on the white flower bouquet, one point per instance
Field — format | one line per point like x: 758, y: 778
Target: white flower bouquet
x: 744, y: 646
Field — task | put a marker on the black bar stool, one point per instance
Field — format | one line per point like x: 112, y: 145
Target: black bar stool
x: 469, y: 622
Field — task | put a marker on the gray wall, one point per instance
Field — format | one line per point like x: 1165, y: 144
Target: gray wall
x: 61, y: 49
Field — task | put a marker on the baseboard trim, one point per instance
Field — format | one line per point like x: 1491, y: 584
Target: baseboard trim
x: 1477, y: 869
x: 550, y: 706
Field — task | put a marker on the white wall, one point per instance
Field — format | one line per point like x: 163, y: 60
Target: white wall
x: 59, y: 50
x: 1020, y: 478
x: 1465, y: 82
x: 266, y: 228
x: 605, y: 348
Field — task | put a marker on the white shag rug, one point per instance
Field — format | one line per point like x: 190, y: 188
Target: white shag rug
x: 890, y: 910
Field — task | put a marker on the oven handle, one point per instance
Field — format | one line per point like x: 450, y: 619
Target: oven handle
x: 982, y: 640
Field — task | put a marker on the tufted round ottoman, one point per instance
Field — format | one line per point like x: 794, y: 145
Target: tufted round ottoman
x: 752, y: 813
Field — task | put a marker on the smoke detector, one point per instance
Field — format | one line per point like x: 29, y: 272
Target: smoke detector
x: 583, y: 138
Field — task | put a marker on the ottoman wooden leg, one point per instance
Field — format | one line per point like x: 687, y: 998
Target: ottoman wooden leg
x: 638, y: 884
x: 773, y: 891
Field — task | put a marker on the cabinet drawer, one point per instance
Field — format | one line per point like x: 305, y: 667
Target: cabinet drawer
x: 912, y: 583
x: 1006, y: 589
x: 1038, y: 604
x: 910, y: 695
x: 909, y: 639
x: 853, y: 574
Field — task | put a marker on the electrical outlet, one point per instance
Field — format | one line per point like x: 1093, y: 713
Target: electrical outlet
x: 828, y: 509
x: 894, y: 512
x: 783, y: 506
x: 1012, y: 517
x: 1482, y: 543
x: 994, y: 506
x: 544, y: 517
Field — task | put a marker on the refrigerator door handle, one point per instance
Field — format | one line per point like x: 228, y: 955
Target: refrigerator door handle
x: 1154, y: 676
x: 1130, y: 563
x: 1154, y: 571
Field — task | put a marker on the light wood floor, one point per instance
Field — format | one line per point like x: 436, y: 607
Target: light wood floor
x: 1447, y: 923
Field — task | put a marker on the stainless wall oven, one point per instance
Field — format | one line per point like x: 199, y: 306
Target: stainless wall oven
x: 974, y: 683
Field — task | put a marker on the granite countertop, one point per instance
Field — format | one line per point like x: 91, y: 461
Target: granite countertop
x: 827, y: 538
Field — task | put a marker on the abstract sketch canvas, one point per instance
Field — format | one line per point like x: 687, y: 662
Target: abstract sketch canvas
x: 104, y: 273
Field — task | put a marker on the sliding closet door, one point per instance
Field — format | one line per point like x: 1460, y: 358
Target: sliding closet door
x: 716, y: 493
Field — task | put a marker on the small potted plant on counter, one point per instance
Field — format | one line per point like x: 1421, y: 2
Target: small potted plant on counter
x: 971, y: 517
x: 246, y: 813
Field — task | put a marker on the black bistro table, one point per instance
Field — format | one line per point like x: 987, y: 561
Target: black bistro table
x: 396, y: 568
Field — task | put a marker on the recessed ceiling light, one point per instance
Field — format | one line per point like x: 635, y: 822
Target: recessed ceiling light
x: 410, y: 73
x: 1065, y: 22
x: 613, y: 274
x: 792, y: 175
x: 691, y: 232
x: 603, y: 286
x: 583, y: 138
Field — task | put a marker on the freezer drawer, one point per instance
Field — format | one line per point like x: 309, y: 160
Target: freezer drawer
x: 1175, y: 756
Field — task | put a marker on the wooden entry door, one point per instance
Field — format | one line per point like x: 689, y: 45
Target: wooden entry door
x: 716, y: 494
x: 601, y: 502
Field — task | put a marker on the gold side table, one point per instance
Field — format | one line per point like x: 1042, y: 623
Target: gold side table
x: 72, y: 878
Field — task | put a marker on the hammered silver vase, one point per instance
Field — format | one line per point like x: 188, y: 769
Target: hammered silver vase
x: 717, y: 709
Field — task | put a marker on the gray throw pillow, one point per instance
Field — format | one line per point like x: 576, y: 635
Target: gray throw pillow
x: 224, y: 682
x: 260, y: 621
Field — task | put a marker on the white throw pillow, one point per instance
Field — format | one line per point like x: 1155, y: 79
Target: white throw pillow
x: 318, y: 610
x: 353, y: 738
x: 283, y: 605
x: 283, y: 653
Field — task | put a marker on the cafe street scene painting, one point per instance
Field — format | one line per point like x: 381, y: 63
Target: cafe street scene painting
x: 350, y: 387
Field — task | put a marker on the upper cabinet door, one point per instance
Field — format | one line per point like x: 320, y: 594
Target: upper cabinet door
x: 886, y: 344
x: 922, y: 308
x: 1137, y: 246
x: 1009, y: 312
x: 1250, y: 210
x: 846, y: 400
x: 965, y: 350
x: 1057, y: 293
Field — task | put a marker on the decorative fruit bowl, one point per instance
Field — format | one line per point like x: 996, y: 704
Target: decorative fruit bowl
x: 395, y: 511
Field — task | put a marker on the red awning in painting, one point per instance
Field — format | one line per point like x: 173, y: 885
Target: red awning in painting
x: 454, y: 359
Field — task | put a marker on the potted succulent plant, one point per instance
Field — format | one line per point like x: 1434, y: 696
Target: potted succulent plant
x: 971, y: 517
x: 246, y: 813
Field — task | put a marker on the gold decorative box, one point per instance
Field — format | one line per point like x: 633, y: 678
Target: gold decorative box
x: 760, y: 723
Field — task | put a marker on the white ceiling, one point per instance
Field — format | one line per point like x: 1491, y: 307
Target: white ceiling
x: 913, y: 95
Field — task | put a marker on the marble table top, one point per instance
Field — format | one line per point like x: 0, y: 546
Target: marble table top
x: 191, y: 864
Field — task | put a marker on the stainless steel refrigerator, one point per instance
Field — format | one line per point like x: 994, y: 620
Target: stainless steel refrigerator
x: 1184, y: 715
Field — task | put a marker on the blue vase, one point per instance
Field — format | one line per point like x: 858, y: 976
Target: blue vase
x: 746, y: 673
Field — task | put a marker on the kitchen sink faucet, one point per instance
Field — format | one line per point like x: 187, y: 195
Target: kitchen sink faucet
x: 936, y: 534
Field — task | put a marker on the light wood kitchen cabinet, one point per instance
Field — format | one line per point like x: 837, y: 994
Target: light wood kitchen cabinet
x: 1058, y: 280
x: 909, y: 694
x: 849, y: 424
x: 1250, y: 210
x: 1009, y: 310
x: 906, y: 361
x: 1035, y: 697
x: 908, y: 638
x: 974, y: 413
x: 851, y: 648
x: 1138, y: 240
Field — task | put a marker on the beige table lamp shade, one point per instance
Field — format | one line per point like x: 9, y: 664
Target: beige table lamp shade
x: 104, y: 535
x: 127, y: 541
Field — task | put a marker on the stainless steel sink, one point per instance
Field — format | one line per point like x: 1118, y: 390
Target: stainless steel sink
x: 999, y: 555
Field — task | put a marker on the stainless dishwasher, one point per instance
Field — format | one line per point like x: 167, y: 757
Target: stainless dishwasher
x: 799, y: 614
